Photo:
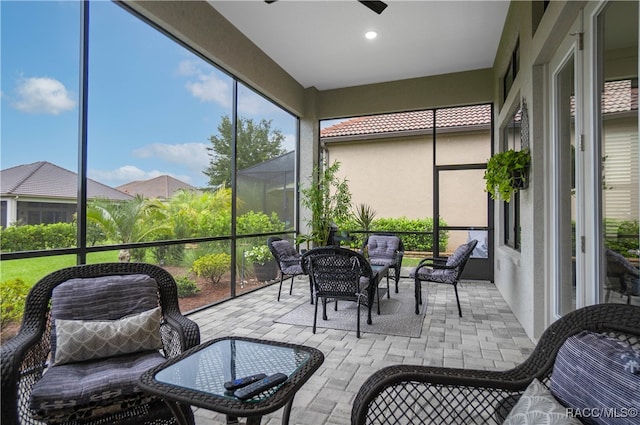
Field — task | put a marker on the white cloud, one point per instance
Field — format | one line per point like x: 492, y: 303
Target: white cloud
x: 125, y: 173
x: 250, y: 103
x: 188, y: 68
x: 193, y: 155
x: 43, y: 95
x: 210, y: 88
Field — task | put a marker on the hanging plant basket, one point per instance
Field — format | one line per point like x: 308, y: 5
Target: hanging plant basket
x: 521, y: 178
x: 506, y: 173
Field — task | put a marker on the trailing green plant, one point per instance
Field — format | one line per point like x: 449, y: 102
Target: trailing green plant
x: 13, y: 294
x: 186, y: 286
x: 212, y: 266
x: 328, y: 198
x: 506, y: 172
x: 259, y: 254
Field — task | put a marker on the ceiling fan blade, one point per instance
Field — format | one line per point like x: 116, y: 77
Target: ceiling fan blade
x: 376, y: 6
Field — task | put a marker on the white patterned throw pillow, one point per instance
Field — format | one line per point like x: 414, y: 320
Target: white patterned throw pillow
x: 538, y: 406
x: 79, y: 340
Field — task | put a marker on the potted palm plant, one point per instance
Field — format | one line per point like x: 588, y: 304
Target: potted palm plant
x: 264, y: 265
x: 506, y: 173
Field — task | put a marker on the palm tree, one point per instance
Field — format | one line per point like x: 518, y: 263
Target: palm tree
x: 131, y: 221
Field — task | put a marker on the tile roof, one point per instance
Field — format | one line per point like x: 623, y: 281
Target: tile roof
x: 619, y: 96
x: 161, y: 187
x: 46, y: 180
x: 479, y: 115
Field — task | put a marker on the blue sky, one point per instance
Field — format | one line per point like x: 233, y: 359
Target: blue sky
x: 152, y: 103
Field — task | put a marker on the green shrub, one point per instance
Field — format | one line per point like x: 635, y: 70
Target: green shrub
x: 212, y: 266
x: 259, y: 254
x: 186, y: 287
x: 13, y: 294
x: 38, y: 237
x: 258, y: 222
x: 413, y: 242
x: 622, y: 235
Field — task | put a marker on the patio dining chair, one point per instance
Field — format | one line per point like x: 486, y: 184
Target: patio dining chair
x: 288, y: 260
x: 88, y: 333
x: 339, y: 274
x: 385, y: 249
x: 442, y: 270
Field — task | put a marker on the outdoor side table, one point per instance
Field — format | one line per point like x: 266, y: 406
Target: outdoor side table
x: 197, y: 376
x: 379, y: 271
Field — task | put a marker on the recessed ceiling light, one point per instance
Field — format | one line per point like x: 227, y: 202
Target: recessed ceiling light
x: 371, y: 35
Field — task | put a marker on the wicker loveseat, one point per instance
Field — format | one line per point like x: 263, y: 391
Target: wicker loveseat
x: 52, y: 375
x: 406, y: 394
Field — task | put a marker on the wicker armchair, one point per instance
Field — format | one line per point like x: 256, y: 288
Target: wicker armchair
x: 623, y: 277
x: 383, y: 249
x: 339, y: 274
x: 406, y: 394
x: 443, y: 270
x: 288, y: 261
x: 27, y: 356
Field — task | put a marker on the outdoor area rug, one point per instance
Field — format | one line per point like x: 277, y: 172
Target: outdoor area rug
x: 397, y: 315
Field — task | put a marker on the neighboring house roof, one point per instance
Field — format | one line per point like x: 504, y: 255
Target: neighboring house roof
x: 161, y: 187
x: 46, y: 180
x: 478, y: 115
x: 619, y: 96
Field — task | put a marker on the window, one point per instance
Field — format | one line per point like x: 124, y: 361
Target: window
x: 155, y: 172
x: 511, y: 140
x: 512, y: 70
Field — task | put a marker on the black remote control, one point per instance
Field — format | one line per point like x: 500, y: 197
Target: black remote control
x: 243, y: 382
x: 256, y: 388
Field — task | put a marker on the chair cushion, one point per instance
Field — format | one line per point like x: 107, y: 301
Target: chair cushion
x: 293, y: 269
x: 284, y: 249
x: 381, y: 261
x: 287, y: 255
x: 69, y: 387
x: 380, y: 246
x: 457, y: 256
x: 537, y: 406
x: 79, y: 340
x: 102, y: 298
x: 435, y: 275
x: 595, y: 371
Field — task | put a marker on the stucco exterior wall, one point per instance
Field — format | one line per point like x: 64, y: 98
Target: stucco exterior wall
x: 395, y: 176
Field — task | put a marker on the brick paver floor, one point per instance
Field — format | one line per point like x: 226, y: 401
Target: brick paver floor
x: 488, y: 336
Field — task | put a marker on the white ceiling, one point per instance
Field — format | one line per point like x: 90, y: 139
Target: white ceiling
x: 321, y: 43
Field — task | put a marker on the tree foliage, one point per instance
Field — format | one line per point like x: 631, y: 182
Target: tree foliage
x: 256, y: 143
x: 135, y: 220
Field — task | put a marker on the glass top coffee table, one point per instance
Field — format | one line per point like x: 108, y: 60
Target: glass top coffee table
x: 197, y: 377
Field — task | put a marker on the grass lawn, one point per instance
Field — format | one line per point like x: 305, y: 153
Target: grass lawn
x: 30, y: 270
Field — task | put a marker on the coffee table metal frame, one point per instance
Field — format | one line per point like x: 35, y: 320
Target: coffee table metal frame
x: 181, y: 385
